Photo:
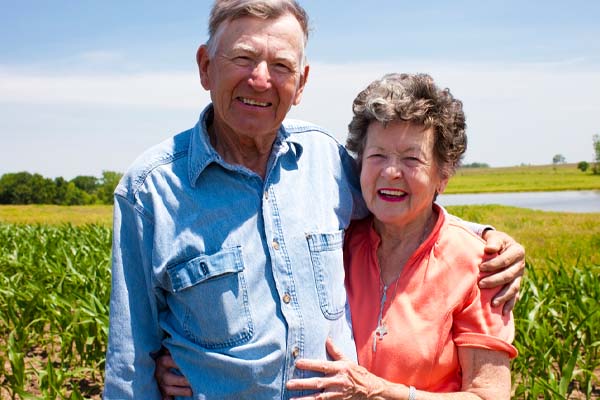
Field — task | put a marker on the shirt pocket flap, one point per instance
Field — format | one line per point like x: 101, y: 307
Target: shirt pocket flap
x: 204, y: 267
x: 325, y: 241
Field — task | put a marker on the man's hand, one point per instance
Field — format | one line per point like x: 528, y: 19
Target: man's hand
x: 507, y: 266
x: 169, y: 383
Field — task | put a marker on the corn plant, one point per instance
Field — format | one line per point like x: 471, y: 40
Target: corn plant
x: 54, y: 293
x: 558, y: 333
x: 55, y: 285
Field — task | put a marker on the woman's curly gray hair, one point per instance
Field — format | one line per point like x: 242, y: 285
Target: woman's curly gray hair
x: 416, y: 99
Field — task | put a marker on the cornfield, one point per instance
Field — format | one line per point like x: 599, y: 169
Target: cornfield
x: 54, y: 294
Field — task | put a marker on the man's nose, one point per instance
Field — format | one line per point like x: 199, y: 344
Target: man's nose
x: 261, y: 78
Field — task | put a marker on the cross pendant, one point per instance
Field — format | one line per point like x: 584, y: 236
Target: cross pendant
x: 380, y: 332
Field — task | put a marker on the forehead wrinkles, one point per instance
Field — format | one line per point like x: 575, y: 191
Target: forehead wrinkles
x: 392, y: 140
x: 273, y: 47
x: 270, y: 45
x: 245, y: 47
x: 285, y: 42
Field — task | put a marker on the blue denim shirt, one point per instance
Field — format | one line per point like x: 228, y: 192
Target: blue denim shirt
x: 236, y: 276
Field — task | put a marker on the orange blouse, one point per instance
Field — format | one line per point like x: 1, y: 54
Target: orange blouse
x: 434, y: 307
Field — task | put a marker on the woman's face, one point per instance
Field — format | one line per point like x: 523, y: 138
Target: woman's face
x: 399, y: 176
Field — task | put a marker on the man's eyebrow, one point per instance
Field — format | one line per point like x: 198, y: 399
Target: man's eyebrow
x: 244, y: 47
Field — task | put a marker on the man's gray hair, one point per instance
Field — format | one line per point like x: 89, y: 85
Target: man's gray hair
x: 228, y: 10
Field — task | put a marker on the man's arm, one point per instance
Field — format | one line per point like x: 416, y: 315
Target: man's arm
x: 507, y: 266
x: 133, y: 330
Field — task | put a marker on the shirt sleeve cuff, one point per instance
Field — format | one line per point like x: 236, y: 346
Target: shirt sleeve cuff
x: 481, y: 341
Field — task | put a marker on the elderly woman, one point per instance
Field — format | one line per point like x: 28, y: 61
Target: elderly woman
x: 419, y: 318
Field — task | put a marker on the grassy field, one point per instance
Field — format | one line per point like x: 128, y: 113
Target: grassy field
x: 522, y: 179
x: 548, y: 237
x: 55, y: 215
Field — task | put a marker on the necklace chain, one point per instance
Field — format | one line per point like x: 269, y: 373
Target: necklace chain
x: 381, y: 330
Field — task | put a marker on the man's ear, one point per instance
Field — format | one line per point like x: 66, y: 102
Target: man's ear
x: 203, y: 61
x: 301, y: 84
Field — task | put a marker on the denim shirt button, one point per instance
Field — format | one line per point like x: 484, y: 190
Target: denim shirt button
x: 287, y: 298
x: 295, y: 351
x: 275, y: 245
x: 204, y: 268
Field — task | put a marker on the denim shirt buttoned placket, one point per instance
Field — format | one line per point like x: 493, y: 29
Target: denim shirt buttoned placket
x: 236, y: 276
x: 281, y: 267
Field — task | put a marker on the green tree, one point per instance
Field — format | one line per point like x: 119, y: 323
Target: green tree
x: 26, y: 188
x: 87, y: 183
x: 583, y: 166
x: 109, y: 182
x: 558, y: 159
x: 596, y: 139
x: 69, y: 194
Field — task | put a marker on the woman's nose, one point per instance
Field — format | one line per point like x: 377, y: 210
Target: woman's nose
x: 391, y: 171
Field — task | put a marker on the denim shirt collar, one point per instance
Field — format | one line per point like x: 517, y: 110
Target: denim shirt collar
x: 202, y: 153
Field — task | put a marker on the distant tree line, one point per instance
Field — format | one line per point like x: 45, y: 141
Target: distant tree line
x: 475, y: 165
x: 27, y: 188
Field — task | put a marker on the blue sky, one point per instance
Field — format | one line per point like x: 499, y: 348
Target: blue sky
x: 86, y: 86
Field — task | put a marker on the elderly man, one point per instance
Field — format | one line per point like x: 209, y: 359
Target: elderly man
x: 228, y: 237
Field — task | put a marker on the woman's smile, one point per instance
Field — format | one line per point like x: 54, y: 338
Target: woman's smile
x: 393, y: 195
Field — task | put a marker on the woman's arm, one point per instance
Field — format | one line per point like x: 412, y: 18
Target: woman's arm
x: 170, y: 384
x: 486, y: 375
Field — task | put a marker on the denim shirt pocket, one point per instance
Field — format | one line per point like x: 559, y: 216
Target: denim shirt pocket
x: 328, y: 268
x: 211, y: 296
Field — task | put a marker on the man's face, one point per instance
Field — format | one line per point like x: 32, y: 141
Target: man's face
x: 255, y: 75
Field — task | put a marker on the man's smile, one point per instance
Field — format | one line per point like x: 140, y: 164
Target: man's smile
x: 252, y: 102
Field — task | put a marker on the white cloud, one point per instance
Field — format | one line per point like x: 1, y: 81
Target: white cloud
x: 100, y: 56
x: 516, y: 113
x: 179, y: 90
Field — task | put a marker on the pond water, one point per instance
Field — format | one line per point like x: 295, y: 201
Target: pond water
x: 580, y: 201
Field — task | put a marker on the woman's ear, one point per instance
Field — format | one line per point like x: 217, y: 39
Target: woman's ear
x: 442, y: 186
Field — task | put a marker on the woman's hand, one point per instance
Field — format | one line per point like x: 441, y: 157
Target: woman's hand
x: 169, y: 383
x: 343, y: 379
x: 508, y: 267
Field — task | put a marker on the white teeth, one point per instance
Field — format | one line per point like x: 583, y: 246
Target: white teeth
x: 388, y: 192
x: 253, y: 102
